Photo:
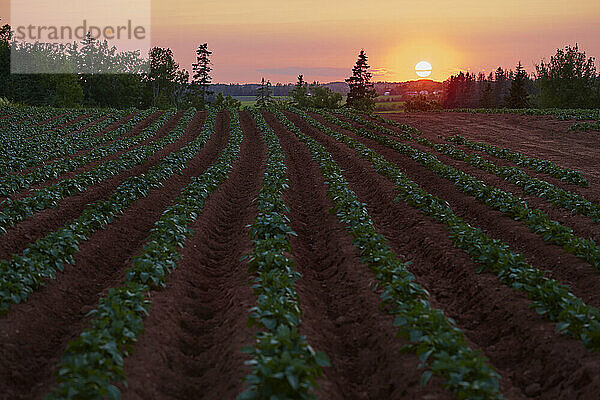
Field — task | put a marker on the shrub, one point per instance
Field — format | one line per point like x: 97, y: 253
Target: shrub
x: 421, y: 103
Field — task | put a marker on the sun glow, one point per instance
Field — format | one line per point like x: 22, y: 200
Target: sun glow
x: 423, y: 69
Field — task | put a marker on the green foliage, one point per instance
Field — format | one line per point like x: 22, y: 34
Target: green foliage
x: 65, y: 135
x: 550, y: 298
x: 299, y: 94
x: 22, y: 274
x: 585, y: 126
x: 226, y: 102
x: 315, y: 96
x: 284, y: 366
x: 421, y: 103
x: 438, y: 343
x: 94, y: 362
x: 264, y: 94
x: 568, y: 80
x: 513, y: 206
x: 199, y: 89
x: 17, y: 182
x: 322, y: 97
x: 535, y: 164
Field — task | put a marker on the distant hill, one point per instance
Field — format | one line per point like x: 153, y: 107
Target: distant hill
x: 402, y: 88
x: 395, y: 88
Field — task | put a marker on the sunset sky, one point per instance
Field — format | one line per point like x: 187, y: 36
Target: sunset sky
x: 321, y: 39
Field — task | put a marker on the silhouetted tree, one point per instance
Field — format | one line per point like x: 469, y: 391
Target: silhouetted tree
x: 519, y: 98
x: 201, y: 79
x: 323, y: 97
x: 160, y: 80
x: 568, y: 80
x: 263, y: 94
x: 501, y: 87
x: 362, y: 93
x: 5, y: 33
x: 487, y: 96
x: 226, y: 102
x: 299, y: 94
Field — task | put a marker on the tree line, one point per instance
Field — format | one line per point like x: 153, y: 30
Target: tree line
x: 92, y: 83
x: 567, y: 80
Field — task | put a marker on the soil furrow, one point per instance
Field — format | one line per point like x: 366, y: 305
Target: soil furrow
x: 592, y: 193
x: 563, y: 266
x: 104, y: 131
x: 543, y: 137
x: 341, y: 315
x: 46, y: 221
x: 197, y: 324
x: 520, y: 344
x: 35, y: 333
x: 84, y: 168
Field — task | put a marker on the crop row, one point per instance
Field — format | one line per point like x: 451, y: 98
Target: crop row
x: 545, y: 166
x: 41, y: 260
x: 550, y: 298
x: 514, y: 207
x: 571, y: 201
x: 585, y: 126
x: 15, y: 211
x: 284, y: 366
x: 62, y: 142
x: 438, y: 343
x: 31, y: 121
x: 559, y: 113
x: 16, y: 182
x: 19, y: 117
x: 535, y: 164
x: 15, y: 136
x: 93, y: 362
x: 47, y: 133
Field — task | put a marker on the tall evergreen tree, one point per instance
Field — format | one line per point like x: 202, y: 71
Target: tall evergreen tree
x: 500, y: 87
x: 202, y: 79
x: 362, y: 93
x: 519, y: 97
x: 487, y: 96
x: 299, y: 94
x: 263, y: 94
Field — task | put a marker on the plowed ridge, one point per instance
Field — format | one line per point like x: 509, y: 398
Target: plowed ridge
x: 197, y: 324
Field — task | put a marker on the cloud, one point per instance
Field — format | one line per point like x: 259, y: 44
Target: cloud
x: 380, y: 72
x: 318, y: 71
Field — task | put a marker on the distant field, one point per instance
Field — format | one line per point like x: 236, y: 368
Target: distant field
x: 251, y: 100
x: 389, y: 104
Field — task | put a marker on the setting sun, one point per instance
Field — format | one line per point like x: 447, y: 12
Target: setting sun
x: 423, y: 69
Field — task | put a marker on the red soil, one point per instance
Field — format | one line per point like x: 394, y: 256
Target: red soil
x: 35, y: 333
x: 520, y: 344
x: 197, y: 324
x: 46, y: 221
x: 340, y: 310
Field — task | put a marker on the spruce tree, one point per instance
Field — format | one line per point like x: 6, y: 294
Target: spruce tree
x: 263, y: 94
x: 201, y: 79
x: 518, y: 97
x: 299, y: 94
x: 362, y: 93
x: 487, y: 96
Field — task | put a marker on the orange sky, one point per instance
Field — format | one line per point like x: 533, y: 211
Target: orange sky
x: 279, y: 39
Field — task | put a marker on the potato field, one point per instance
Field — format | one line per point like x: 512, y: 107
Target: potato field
x: 297, y: 254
